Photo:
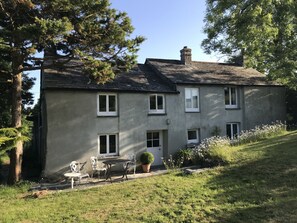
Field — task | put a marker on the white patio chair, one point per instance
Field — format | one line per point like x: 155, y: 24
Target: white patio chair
x: 132, y: 164
x: 76, y: 173
x: 97, y: 166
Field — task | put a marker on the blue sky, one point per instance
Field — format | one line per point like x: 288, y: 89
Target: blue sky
x: 167, y: 25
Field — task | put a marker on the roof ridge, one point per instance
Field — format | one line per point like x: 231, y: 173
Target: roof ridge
x: 194, y: 61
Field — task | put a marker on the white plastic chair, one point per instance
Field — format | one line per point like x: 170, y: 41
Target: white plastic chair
x: 97, y: 166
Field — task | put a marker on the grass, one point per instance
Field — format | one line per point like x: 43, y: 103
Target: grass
x: 258, y: 186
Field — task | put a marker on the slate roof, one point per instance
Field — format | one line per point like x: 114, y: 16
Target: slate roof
x: 140, y: 79
x: 157, y: 75
x: 207, y: 73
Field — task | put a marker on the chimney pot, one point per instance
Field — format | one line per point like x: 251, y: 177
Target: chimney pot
x: 186, y: 55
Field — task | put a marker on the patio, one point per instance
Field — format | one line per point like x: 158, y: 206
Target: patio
x: 87, y: 183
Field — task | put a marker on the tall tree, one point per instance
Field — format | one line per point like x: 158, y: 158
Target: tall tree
x: 89, y: 31
x: 265, y: 30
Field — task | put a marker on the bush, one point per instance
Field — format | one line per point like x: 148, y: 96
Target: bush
x: 146, y: 158
x: 212, y: 152
x: 184, y: 156
x: 171, y: 163
x: 259, y: 133
x: 216, y: 150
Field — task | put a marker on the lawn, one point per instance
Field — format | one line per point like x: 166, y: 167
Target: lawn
x: 258, y: 186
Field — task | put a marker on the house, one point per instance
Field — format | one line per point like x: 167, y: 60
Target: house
x: 159, y: 106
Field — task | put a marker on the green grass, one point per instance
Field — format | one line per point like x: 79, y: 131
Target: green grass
x: 260, y: 185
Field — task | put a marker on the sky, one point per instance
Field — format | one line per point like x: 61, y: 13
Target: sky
x: 167, y: 25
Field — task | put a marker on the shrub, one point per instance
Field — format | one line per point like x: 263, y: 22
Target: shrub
x: 171, y: 163
x: 259, y: 133
x: 184, y: 156
x: 146, y: 158
x: 212, y: 152
x: 216, y: 150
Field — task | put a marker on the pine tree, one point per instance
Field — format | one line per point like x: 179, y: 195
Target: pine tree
x: 89, y: 31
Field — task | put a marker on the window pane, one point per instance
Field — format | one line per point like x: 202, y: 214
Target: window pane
x: 192, y: 135
x: 149, y: 136
x: 233, y: 96
x: 112, y: 103
x: 153, y: 102
x: 228, y: 130
x: 160, y: 102
x: 149, y: 143
x: 195, y: 101
x: 188, y: 93
x: 188, y: 103
x: 156, y: 142
x: 227, y: 99
x: 155, y: 135
x: 235, y: 130
x: 188, y: 98
x: 103, y: 147
x: 102, y: 103
x: 112, y: 144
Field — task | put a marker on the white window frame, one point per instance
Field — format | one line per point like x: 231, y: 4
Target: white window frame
x: 156, y: 111
x: 193, y: 140
x: 230, y: 105
x: 232, y: 133
x: 192, y: 109
x: 107, y: 112
x: 108, y: 145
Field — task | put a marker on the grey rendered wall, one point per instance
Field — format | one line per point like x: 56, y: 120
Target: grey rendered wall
x: 212, y: 114
x: 264, y: 105
x: 73, y: 126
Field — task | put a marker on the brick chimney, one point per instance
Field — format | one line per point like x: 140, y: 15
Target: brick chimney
x: 186, y: 55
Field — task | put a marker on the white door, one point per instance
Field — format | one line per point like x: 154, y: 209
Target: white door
x: 154, y: 146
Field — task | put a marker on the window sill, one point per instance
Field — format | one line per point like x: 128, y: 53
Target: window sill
x: 192, y: 111
x: 107, y: 116
x: 157, y: 114
x: 232, y: 108
x: 106, y: 157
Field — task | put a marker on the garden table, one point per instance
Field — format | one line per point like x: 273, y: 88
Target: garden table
x: 113, y: 162
x: 72, y: 176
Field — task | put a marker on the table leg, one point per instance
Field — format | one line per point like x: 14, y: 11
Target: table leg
x: 108, y: 172
x: 72, y: 182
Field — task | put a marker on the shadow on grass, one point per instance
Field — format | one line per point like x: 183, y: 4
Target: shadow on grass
x: 264, y: 189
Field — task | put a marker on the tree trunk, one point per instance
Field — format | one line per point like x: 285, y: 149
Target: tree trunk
x: 15, y: 168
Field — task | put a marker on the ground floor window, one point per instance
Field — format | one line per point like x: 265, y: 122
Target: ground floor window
x: 232, y: 130
x: 108, y: 144
x: 193, y: 136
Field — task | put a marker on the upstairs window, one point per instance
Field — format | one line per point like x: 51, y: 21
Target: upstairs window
x: 193, y: 136
x: 108, y: 144
x: 192, y: 99
x: 156, y: 104
x: 232, y: 130
x: 107, y: 105
x: 231, y: 97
